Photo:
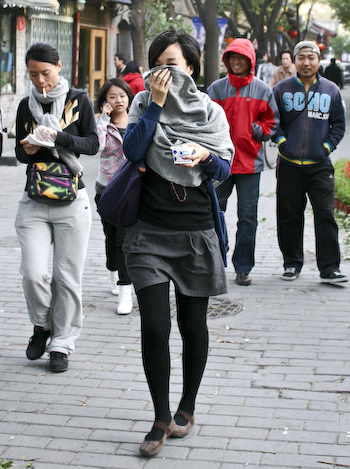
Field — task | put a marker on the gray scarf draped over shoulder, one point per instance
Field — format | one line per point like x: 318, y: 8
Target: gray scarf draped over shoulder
x: 187, y: 116
x: 57, y: 98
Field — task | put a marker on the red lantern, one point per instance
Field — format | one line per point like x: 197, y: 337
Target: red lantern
x: 293, y: 34
x: 321, y: 46
x: 228, y: 40
x: 281, y: 28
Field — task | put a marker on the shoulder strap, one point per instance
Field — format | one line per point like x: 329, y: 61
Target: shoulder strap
x: 306, y: 105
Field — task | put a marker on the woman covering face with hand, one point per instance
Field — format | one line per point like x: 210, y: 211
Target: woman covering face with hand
x: 62, y: 119
x: 175, y: 237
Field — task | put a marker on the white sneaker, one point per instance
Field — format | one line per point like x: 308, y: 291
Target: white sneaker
x: 113, y: 279
x: 125, y: 299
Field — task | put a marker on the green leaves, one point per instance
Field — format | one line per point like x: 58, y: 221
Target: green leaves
x: 342, y: 181
x: 5, y: 465
x: 159, y: 18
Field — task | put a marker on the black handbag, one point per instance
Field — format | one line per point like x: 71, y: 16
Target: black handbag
x: 120, y: 201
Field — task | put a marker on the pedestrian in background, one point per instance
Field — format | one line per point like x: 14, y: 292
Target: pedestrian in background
x: 114, y: 101
x: 253, y: 117
x: 120, y: 65
x: 132, y: 75
x: 286, y: 70
x: 54, y: 299
x: 263, y: 68
x: 174, y: 238
x: 333, y: 72
x: 312, y: 124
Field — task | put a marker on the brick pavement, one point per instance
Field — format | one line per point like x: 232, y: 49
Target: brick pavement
x: 275, y: 393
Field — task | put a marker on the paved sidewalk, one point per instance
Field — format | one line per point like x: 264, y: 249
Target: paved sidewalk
x: 275, y: 393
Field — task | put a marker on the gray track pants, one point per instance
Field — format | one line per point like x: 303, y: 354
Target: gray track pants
x: 54, y: 300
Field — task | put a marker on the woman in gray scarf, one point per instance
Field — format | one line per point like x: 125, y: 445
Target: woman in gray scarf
x: 64, y: 117
x: 176, y: 235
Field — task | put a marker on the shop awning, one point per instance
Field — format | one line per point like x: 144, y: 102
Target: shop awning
x: 42, y: 5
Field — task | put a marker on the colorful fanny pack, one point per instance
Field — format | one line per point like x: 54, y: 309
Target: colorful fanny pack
x: 52, y: 183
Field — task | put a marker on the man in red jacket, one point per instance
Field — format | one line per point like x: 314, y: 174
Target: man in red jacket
x: 252, y: 113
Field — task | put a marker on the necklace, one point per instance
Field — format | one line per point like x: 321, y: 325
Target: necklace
x: 177, y: 195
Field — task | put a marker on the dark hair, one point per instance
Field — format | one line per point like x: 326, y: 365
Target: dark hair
x: 43, y: 52
x: 189, y: 46
x: 260, y: 53
x: 333, y: 60
x: 132, y: 67
x: 120, y: 56
x: 286, y: 51
x: 101, y: 97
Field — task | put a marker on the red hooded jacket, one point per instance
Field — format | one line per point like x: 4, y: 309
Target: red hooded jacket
x: 250, y: 108
x: 135, y: 81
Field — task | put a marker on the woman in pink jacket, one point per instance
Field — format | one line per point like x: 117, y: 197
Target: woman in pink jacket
x: 114, y: 100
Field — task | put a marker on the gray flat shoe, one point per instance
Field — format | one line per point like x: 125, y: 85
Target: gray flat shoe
x: 182, y: 430
x: 150, y: 448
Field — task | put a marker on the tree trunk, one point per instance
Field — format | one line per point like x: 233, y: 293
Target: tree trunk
x: 212, y: 58
x: 137, y: 16
x: 208, y: 16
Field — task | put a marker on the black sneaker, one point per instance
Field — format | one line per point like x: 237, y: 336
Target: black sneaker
x: 58, y: 361
x: 334, y: 277
x: 290, y: 273
x: 37, y: 343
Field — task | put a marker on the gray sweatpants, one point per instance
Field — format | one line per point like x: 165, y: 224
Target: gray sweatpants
x: 54, y: 300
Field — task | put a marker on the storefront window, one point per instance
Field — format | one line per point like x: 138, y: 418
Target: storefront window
x: 7, y: 53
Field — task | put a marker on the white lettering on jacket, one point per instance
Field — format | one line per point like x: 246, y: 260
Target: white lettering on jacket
x: 319, y: 103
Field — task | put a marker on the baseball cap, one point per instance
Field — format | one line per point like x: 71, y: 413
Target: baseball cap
x: 306, y: 46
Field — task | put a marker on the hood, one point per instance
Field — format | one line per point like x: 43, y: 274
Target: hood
x: 243, y: 47
x: 129, y: 77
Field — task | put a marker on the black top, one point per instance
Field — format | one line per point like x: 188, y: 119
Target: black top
x: 173, y: 206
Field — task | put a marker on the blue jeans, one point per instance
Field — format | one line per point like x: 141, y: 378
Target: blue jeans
x: 247, y: 187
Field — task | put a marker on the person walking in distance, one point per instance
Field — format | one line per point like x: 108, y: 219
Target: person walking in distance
x: 133, y: 77
x: 253, y: 117
x: 285, y: 70
x: 263, y: 68
x: 333, y: 72
x: 120, y: 65
x: 312, y: 124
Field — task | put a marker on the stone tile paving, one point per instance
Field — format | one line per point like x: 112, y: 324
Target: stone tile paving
x: 275, y: 393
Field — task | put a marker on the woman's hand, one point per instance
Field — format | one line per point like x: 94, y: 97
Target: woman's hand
x: 107, y: 109
x: 29, y: 148
x: 200, y: 154
x: 46, y: 134
x: 159, y: 86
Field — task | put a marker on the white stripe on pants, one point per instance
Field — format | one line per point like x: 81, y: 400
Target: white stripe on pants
x: 55, y: 302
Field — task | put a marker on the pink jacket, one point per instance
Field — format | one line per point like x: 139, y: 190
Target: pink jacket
x: 111, y: 148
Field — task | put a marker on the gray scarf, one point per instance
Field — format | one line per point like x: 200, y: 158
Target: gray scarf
x: 57, y: 96
x: 187, y: 116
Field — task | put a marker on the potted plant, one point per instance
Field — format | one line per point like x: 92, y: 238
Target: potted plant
x: 342, y: 184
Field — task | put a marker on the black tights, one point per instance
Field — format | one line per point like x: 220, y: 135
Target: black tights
x: 155, y: 331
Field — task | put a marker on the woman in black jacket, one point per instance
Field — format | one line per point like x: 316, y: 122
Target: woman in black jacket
x: 63, y: 123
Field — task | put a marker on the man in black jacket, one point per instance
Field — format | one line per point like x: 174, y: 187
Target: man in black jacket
x: 334, y: 73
